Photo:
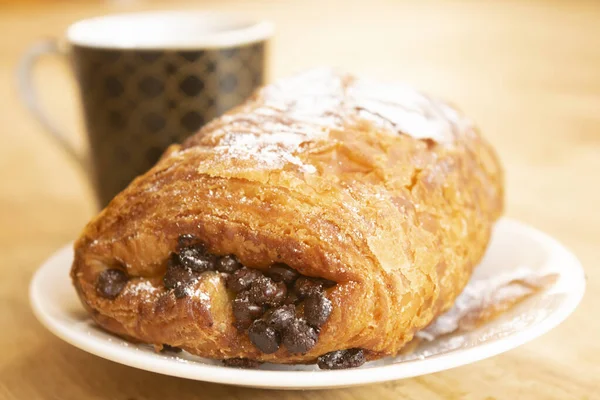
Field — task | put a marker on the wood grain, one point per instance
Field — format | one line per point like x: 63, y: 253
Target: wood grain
x: 528, y: 73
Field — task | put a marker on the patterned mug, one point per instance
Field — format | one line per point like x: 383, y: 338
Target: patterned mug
x: 148, y: 80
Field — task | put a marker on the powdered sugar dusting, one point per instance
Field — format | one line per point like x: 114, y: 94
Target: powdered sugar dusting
x: 271, y: 131
x: 193, y: 290
x: 273, y: 150
x: 141, y: 286
x: 406, y: 110
x: 142, y: 289
x: 484, y: 299
x: 200, y: 294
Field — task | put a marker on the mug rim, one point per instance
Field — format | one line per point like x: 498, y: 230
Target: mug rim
x: 236, y: 30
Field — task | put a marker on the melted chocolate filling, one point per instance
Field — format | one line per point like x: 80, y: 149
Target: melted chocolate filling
x: 265, y: 304
x: 342, y: 359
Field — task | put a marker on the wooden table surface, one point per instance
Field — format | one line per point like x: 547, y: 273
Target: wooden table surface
x: 528, y: 73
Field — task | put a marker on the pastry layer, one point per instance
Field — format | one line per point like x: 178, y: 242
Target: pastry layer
x: 387, y: 193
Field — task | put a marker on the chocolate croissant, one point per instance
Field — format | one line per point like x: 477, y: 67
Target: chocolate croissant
x: 326, y: 219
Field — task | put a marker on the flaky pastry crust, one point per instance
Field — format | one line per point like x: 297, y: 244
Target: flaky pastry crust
x: 388, y: 193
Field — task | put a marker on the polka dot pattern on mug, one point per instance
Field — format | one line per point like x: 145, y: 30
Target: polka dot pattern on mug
x: 138, y: 102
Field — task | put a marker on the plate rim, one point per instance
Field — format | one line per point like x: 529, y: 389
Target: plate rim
x: 323, y: 379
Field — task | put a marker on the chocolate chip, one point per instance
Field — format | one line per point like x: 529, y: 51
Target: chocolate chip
x: 304, y: 287
x: 245, y: 311
x: 197, y: 259
x: 282, y: 317
x: 341, y: 359
x: 264, y: 337
x: 264, y: 291
x: 299, y: 337
x: 228, y: 264
x: 317, y: 309
x: 242, y: 279
x: 180, y: 292
x: 177, y: 277
x: 241, y: 363
x: 186, y: 240
x: 282, y: 273
x: 111, y: 282
x: 172, y: 349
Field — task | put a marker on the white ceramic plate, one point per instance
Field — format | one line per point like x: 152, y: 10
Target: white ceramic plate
x: 514, y: 246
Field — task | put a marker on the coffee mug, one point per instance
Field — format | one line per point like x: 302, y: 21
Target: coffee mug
x: 147, y: 80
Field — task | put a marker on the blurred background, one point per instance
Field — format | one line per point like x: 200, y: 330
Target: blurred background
x: 527, y: 72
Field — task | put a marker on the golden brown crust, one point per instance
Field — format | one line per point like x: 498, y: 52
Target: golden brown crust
x: 388, y: 193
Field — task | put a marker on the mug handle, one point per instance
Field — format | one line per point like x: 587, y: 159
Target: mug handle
x: 30, y: 98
